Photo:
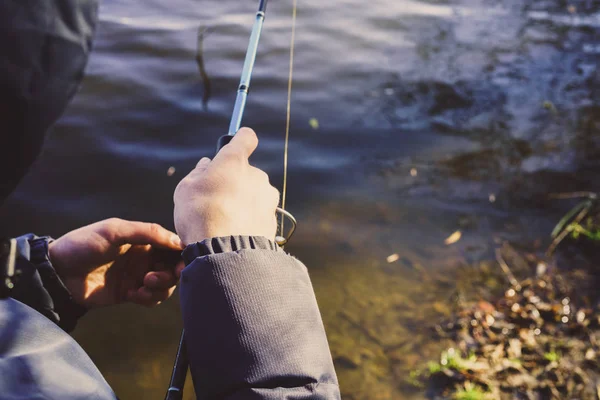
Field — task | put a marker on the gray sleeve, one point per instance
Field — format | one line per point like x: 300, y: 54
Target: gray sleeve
x: 39, y: 361
x: 253, y: 327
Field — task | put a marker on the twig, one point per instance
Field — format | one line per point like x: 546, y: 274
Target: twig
x: 202, y: 33
x: 557, y: 241
x: 582, y: 214
x: 574, y: 195
x: 509, y: 275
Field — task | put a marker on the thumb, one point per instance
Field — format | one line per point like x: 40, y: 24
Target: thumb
x: 140, y: 233
x: 243, y: 144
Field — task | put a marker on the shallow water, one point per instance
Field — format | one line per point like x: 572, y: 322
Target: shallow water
x: 434, y: 116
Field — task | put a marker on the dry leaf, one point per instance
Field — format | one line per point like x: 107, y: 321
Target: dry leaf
x: 455, y: 237
x: 393, y: 258
x: 171, y: 171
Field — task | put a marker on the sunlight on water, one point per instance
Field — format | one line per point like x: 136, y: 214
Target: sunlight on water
x: 434, y: 117
x: 151, y: 23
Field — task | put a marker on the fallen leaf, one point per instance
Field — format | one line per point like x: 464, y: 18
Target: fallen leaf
x: 325, y: 226
x: 455, y: 237
x: 548, y: 105
x: 393, y: 258
x: 171, y: 171
x: 314, y: 123
x: 486, y: 307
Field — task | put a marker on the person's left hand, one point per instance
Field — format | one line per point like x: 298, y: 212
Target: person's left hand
x: 116, y: 261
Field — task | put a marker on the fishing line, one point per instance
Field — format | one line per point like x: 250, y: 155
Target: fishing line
x: 288, y: 115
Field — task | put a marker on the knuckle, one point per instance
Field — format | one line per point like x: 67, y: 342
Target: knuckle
x: 154, y: 228
x: 182, y: 186
x: 260, y: 174
x: 111, y: 224
x: 253, y: 137
x: 276, y: 194
x: 177, y: 191
x: 113, y: 221
x: 232, y: 155
x: 109, y: 228
x: 264, y: 175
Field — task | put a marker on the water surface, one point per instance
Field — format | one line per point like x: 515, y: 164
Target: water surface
x: 434, y: 116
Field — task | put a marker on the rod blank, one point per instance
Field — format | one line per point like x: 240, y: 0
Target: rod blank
x: 244, y: 88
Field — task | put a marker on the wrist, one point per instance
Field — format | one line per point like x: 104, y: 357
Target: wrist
x: 53, y: 257
x: 226, y: 244
x: 65, y: 306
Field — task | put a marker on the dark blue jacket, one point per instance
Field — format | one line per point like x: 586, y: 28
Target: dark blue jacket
x: 252, y: 323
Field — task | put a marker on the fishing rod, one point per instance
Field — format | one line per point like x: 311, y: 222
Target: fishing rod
x: 180, y: 368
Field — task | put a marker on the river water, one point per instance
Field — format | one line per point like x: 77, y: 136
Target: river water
x: 433, y: 117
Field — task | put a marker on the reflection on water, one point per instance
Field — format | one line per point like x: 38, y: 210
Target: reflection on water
x: 433, y: 117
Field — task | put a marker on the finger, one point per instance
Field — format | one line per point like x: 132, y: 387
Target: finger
x: 148, y: 298
x: 164, y: 259
x: 160, y: 280
x: 179, y: 269
x: 144, y: 233
x: 243, y: 143
x: 203, y: 163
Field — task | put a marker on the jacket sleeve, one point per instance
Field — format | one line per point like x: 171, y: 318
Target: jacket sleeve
x: 39, y: 361
x: 38, y: 285
x: 45, y: 45
x: 253, y: 327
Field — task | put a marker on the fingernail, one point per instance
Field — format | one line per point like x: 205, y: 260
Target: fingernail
x: 153, y: 280
x: 176, y: 241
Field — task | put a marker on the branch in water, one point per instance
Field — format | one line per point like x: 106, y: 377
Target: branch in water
x: 202, y: 32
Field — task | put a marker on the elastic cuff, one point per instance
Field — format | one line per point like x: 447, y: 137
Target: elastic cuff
x: 227, y: 244
x: 67, y: 309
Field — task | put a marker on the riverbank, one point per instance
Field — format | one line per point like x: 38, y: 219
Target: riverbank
x: 539, y: 339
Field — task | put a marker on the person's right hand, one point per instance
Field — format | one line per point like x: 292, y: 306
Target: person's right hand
x: 226, y: 196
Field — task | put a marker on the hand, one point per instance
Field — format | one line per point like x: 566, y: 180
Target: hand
x: 226, y: 196
x: 116, y: 261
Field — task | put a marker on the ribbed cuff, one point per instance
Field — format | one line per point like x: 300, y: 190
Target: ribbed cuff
x: 67, y: 309
x: 227, y: 244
